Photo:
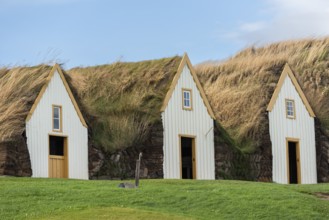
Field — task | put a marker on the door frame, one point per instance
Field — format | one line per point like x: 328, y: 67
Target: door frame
x: 296, y: 141
x: 194, y: 162
x: 66, y: 156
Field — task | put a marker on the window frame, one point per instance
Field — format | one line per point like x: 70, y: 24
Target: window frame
x: 190, y: 108
x: 60, y: 129
x: 293, y: 106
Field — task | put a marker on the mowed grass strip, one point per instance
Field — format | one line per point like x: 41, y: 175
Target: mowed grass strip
x: 114, y: 213
x: 31, y: 198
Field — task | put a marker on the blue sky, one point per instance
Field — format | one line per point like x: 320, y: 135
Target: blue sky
x: 91, y: 32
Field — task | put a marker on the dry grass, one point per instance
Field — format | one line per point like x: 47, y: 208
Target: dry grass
x: 19, y: 88
x: 240, y: 88
x: 123, y: 100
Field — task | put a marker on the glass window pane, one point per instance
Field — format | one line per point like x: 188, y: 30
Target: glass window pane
x: 56, y: 124
x: 186, y: 99
x: 56, y: 112
x: 290, y: 108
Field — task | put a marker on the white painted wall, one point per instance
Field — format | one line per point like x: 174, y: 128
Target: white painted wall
x: 39, y: 127
x: 302, y: 128
x: 197, y: 122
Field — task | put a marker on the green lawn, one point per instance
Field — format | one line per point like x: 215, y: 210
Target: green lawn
x: 28, y: 198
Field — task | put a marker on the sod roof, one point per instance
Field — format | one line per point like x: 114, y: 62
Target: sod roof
x: 19, y: 87
x: 123, y: 100
x: 240, y: 88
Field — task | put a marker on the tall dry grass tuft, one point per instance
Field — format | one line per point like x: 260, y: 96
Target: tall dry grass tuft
x: 19, y: 88
x: 123, y: 100
x: 240, y: 88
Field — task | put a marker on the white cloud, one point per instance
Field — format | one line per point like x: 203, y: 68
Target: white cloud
x: 250, y: 27
x: 290, y: 19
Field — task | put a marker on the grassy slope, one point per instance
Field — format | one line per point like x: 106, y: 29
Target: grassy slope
x: 122, y: 100
x: 240, y: 88
x: 161, y: 199
x: 19, y: 88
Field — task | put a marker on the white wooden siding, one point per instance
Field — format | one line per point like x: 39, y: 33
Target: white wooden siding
x: 39, y: 127
x: 197, y: 122
x: 302, y: 128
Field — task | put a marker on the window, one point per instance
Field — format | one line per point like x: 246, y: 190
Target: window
x: 290, y: 108
x: 57, y: 118
x: 187, y: 99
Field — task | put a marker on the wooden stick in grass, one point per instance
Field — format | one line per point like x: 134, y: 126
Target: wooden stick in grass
x: 137, y: 172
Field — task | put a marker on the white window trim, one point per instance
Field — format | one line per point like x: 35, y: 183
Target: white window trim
x: 59, y: 119
x: 190, y: 108
x: 293, y: 108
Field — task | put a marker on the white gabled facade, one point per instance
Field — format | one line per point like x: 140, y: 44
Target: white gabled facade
x: 39, y: 126
x: 299, y: 129
x: 197, y: 123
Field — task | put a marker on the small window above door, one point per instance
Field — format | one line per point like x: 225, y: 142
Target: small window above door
x: 187, y: 99
x: 57, y: 118
x: 290, y: 109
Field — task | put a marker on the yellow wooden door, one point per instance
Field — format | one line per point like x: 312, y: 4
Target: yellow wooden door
x: 58, y: 163
x: 56, y: 166
x: 299, y: 180
x: 293, y: 161
x: 193, y: 159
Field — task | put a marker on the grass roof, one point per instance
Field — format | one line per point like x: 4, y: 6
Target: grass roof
x: 122, y: 100
x: 240, y: 88
x: 19, y: 88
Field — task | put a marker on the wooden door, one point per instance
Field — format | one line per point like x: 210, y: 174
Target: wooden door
x: 193, y: 159
x: 293, y: 162
x: 58, y: 157
x: 188, y: 157
x: 56, y: 166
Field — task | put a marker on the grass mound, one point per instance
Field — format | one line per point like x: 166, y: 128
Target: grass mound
x: 240, y: 88
x: 123, y: 100
x: 19, y: 88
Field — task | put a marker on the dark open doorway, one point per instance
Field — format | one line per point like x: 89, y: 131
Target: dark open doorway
x: 293, y: 162
x: 58, y: 164
x: 188, y: 157
x: 56, y: 145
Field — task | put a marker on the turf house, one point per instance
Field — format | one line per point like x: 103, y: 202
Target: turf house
x: 240, y: 90
x: 156, y: 107
x: 188, y: 125
x: 291, y: 121
x: 42, y: 131
x: 234, y: 119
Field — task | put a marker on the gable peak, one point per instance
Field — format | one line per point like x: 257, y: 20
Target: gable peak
x: 57, y: 68
x: 287, y: 71
x: 186, y: 61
